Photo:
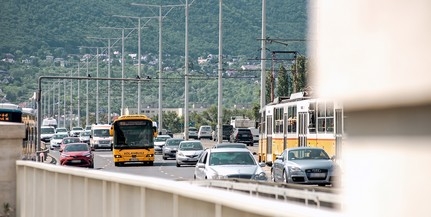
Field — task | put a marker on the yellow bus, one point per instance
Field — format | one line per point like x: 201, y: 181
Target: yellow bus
x: 133, y: 139
x: 298, y: 121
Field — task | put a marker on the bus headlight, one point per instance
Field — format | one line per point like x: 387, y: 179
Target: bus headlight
x: 117, y: 156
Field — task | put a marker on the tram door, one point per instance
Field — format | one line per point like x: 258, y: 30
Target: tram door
x: 269, y: 138
x: 285, y: 125
x: 302, y: 128
x: 338, y: 132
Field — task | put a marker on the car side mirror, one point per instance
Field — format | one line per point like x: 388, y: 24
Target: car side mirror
x: 200, y: 165
x: 92, y: 149
x: 60, y: 150
x: 262, y: 164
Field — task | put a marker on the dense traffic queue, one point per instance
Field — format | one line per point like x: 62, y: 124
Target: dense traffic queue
x: 226, y: 160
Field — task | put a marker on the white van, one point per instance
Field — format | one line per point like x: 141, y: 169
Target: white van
x: 100, y: 137
x: 205, y: 131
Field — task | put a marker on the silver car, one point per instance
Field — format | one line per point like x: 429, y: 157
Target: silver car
x: 188, y: 152
x: 171, y: 147
x: 304, y: 165
x: 228, y: 163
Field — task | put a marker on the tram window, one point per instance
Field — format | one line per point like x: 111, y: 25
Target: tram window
x: 312, y: 118
x: 330, y: 125
x: 291, y: 113
x: 278, y: 120
x: 321, y: 125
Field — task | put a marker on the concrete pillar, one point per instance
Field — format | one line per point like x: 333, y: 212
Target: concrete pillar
x: 11, y: 138
x: 373, y: 55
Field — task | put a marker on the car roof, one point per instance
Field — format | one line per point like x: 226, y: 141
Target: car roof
x: 230, y: 150
x: 301, y: 148
x: 163, y: 135
x: 175, y: 139
x: 191, y: 141
x: 230, y: 145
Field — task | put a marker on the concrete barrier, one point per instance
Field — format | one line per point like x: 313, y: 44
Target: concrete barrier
x: 52, y: 190
x: 11, y: 140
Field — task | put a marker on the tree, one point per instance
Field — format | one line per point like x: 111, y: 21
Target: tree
x: 299, y: 74
x: 268, y: 85
x: 282, y: 82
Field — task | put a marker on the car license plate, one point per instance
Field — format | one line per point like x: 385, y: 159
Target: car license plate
x: 76, y: 161
x: 317, y: 175
x: 133, y: 159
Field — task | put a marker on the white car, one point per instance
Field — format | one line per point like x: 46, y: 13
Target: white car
x: 193, y: 133
x: 75, y: 131
x: 159, y: 142
x: 188, y: 152
x: 228, y: 163
x: 205, y: 131
x: 56, y: 140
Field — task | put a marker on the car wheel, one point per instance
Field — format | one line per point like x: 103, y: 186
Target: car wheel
x: 285, y: 179
x: 91, y: 166
x: 165, y: 158
x: 178, y: 165
x: 194, y: 177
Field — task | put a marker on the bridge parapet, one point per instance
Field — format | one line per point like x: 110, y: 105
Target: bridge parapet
x: 85, y: 192
x: 11, y: 141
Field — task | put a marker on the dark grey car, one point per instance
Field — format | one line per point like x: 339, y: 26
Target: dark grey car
x: 171, y: 147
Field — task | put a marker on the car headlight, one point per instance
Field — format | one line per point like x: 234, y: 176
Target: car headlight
x: 180, y: 154
x: 260, y: 176
x: 65, y: 155
x: 295, y: 169
x: 87, y: 155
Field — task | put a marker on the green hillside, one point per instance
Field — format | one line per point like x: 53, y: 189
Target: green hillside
x: 33, y: 30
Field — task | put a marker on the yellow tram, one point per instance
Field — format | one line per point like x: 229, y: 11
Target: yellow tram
x: 300, y: 120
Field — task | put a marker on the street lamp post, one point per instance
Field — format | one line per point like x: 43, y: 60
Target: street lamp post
x: 220, y: 74
x: 139, y: 54
x: 122, y: 65
x: 160, y: 17
x: 109, y: 76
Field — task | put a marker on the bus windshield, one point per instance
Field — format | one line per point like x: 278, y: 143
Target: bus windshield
x: 133, y: 136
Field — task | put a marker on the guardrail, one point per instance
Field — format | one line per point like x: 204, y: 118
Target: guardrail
x: 308, y: 195
x: 53, y: 190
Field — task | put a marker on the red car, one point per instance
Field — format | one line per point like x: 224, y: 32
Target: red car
x: 67, y: 140
x: 77, y: 154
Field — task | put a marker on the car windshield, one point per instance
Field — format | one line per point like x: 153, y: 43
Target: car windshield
x: 231, y: 158
x: 85, y: 133
x: 61, y: 130
x: 173, y: 142
x: 70, y: 140
x: 307, y: 154
x: 76, y: 147
x: 47, y: 130
x: 60, y: 136
x: 191, y: 146
x: 161, y: 138
x: 101, y: 132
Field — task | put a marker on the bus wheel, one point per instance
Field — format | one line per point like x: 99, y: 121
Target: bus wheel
x: 117, y: 164
x: 150, y: 163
